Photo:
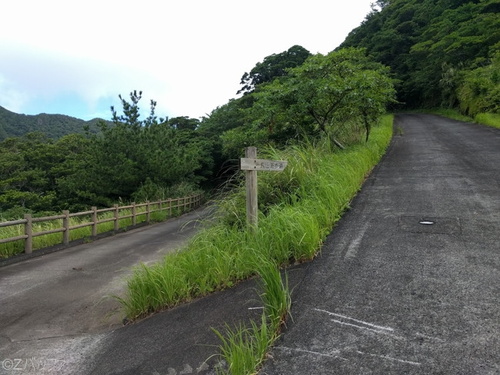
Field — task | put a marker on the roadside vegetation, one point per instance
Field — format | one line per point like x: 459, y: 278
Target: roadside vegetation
x: 298, y: 208
x: 488, y: 119
x: 444, y: 53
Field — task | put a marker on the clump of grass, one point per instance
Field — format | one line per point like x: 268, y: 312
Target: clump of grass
x: 319, y: 184
x: 490, y: 119
x: 275, y: 294
x: 243, y: 348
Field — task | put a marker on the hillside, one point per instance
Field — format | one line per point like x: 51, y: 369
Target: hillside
x: 54, y: 126
x: 444, y: 52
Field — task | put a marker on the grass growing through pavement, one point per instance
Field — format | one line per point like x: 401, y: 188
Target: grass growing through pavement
x: 297, y: 210
x: 244, y: 348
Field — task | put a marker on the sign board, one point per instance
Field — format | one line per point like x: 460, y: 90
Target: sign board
x: 250, y: 164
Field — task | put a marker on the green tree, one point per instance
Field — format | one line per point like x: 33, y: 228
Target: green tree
x: 326, y: 93
x: 479, y: 89
x: 26, y: 179
x: 426, y: 43
x: 273, y: 66
x: 135, y: 155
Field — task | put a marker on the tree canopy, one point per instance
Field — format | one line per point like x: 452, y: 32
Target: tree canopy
x: 273, y: 66
x: 327, y: 95
x: 431, y: 45
x: 290, y: 97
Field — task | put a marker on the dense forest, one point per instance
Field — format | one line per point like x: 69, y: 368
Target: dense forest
x: 444, y: 53
x: 406, y: 53
x: 53, y: 126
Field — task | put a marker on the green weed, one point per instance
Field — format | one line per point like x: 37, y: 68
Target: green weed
x: 490, y: 119
x: 244, y: 348
x: 298, y: 209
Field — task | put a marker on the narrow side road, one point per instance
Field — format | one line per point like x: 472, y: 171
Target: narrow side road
x: 54, y: 308
x: 409, y: 281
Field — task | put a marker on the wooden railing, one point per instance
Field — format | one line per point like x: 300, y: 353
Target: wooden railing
x: 98, y: 216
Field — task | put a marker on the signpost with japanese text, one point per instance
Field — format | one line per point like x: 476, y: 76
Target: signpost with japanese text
x: 250, y: 164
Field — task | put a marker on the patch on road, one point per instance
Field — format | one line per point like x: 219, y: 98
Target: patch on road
x: 435, y: 225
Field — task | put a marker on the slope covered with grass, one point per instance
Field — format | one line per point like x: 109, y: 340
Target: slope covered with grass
x: 298, y: 209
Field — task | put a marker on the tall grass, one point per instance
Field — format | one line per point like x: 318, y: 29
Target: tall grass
x: 298, y: 208
x: 243, y: 348
x: 490, y: 119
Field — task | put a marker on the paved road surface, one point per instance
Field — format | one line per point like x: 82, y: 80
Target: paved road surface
x: 56, y: 307
x: 388, y: 295
x: 392, y: 296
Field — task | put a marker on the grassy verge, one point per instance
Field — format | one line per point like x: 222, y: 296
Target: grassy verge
x: 449, y: 113
x: 489, y: 119
x: 298, y: 209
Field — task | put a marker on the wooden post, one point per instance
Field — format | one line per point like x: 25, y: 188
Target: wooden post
x: 134, y: 214
x: 94, y: 221
x: 148, y: 212
x: 117, y: 218
x: 66, y: 227
x: 28, y: 231
x: 251, y: 190
x: 250, y: 164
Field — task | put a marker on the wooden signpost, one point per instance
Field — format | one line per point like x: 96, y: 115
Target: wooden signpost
x: 250, y: 164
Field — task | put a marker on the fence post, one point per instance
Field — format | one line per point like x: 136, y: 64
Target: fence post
x: 117, y: 218
x: 28, y: 231
x: 94, y: 221
x: 169, y: 207
x: 148, y: 212
x: 134, y: 213
x: 66, y: 227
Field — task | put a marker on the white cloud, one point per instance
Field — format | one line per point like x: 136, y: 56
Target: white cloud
x: 187, y: 55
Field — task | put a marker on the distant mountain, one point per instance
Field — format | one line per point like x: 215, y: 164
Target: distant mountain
x: 54, y: 126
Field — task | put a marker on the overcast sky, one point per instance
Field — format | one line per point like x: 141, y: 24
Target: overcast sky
x: 75, y: 57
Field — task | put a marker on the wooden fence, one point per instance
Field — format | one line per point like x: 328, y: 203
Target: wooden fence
x: 114, y: 214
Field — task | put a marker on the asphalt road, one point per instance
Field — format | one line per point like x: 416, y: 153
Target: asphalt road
x: 393, y: 293
x: 55, y: 308
x: 387, y: 295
